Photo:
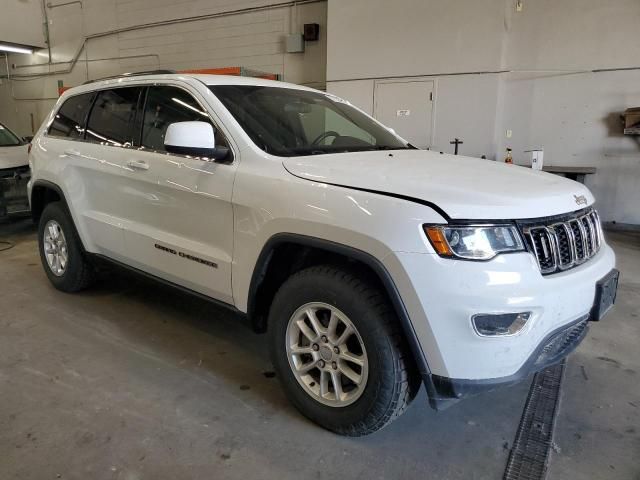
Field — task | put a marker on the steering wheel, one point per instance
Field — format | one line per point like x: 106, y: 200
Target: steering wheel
x: 324, y: 135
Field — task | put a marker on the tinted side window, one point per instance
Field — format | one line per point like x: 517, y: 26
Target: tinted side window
x: 112, y: 116
x: 167, y: 105
x: 70, y: 118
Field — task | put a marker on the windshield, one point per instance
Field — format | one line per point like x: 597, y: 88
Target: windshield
x: 8, y: 138
x: 289, y: 122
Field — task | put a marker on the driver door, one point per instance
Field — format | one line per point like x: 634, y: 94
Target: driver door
x: 183, y: 230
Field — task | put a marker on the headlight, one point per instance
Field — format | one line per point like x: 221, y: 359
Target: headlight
x: 474, y: 242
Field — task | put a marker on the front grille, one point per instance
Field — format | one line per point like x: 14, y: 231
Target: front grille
x: 14, y: 172
x: 13, y: 190
x: 562, y: 343
x: 565, y: 243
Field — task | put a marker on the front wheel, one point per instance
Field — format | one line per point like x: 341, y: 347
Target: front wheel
x: 338, y: 350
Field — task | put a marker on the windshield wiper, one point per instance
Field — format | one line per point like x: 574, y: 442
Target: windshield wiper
x: 328, y: 149
x: 384, y: 147
x: 388, y: 147
x: 304, y: 151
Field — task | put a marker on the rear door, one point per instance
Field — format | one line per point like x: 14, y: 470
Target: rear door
x: 108, y: 143
x: 79, y: 166
x: 180, y: 223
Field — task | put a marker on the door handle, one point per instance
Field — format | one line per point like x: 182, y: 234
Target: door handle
x: 138, y: 165
x: 72, y: 153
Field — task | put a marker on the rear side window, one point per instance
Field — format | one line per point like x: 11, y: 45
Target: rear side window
x: 167, y: 105
x: 70, y: 118
x: 112, y: 117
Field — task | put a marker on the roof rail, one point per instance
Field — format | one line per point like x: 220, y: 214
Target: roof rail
x: 132, y: 74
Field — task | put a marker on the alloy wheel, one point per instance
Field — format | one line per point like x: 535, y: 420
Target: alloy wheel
x: 326, y: 354
x: 55, y: 248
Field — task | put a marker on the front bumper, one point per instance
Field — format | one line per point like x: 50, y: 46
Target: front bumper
x: 441, y: 295
x: 554, y: 348
x: 14, y: 198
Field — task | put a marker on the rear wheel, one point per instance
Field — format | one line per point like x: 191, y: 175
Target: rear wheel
x: 338, y: 351
x: 61, y: 252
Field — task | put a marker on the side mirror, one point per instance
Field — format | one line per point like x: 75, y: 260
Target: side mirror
x: 193, y: 138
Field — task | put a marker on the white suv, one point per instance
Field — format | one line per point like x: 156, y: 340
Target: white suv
x: 373, y: 265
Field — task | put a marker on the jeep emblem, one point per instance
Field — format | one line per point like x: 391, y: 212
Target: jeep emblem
x: 580, y: 199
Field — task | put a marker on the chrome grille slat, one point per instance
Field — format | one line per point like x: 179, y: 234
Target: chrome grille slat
x: 542, y: 246
x: 564, y: 244
x: 592, y: 231
x: 596, y: 221
x: 579, y: 239
x: 572, y: 243
x: 583, y: 237
x: 587, y: 233
x: 554, y: 246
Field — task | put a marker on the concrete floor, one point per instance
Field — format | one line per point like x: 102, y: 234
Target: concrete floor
x: 132, y: 380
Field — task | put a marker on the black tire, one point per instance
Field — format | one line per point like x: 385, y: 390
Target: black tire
x: 79, y: 273
x: 392, y: 380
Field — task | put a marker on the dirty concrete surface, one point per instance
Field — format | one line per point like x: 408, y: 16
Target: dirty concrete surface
x: 132, y: 380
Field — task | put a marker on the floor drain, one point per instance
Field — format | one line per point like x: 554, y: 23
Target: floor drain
x: 529, y: 456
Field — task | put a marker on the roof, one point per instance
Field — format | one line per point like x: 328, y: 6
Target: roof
x: 206, y: 79
x: 236, y: 80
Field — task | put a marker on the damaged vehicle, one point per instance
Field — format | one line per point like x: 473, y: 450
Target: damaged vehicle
x: 373, y: 266
x: 14, y: 173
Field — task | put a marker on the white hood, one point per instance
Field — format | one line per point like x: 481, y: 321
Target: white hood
x: 464, y: 187
x: 11, y: 157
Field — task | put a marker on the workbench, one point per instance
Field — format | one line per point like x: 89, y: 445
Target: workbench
x: 573, y: 173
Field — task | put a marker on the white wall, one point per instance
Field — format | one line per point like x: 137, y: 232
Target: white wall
x: 543, y: 99
x: 254, y: 40
x: 574, y: 115
x: 373, y: 39
x: 465, y: 107
x: 381, y: 38
x: 472, y: 120
x: 21, y: 22
x: 576, y: 118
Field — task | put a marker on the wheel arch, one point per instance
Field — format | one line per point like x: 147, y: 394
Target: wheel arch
x: 44, y: 192
x: 262, y: 289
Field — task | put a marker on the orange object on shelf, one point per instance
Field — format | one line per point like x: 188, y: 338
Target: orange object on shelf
x: 239, y: 71
x: 509, y: 157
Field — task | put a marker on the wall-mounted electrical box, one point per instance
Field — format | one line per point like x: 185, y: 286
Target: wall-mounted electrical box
x: 311, y: 32
x: 295, y: 43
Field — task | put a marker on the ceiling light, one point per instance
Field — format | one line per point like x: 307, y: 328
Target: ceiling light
x: 11, y: 48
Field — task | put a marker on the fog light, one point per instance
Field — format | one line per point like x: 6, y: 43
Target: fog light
x: 499, y: 324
